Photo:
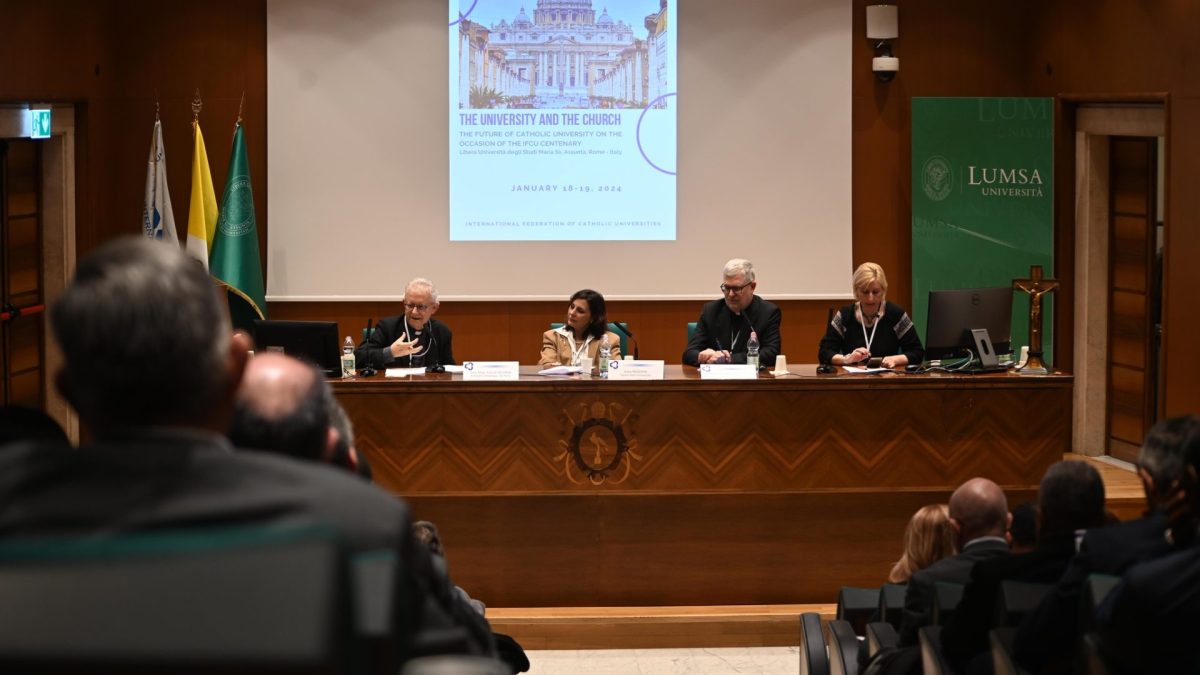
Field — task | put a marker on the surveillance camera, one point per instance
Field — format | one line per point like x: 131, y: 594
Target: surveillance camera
x: 885, y: 67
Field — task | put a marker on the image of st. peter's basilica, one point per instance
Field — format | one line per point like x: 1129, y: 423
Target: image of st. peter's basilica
x: 567, y: 55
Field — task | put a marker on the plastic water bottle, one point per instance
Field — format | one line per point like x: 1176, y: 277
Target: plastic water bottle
x: 752, y: 350
x: 604, y: 354
x: 348, y: 357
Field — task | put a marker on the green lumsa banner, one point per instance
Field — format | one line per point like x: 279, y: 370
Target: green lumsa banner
x: 982, y: 201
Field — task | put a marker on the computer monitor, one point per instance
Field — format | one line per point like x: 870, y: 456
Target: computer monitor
x: 953, y: 314
x: 312, y: 341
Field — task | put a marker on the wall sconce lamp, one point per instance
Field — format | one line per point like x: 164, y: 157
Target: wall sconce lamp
x: 883, y: 24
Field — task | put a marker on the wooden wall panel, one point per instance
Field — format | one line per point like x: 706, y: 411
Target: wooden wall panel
x: 96, y: 55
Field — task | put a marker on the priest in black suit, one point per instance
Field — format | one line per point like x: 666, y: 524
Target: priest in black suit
x: 725, y: 325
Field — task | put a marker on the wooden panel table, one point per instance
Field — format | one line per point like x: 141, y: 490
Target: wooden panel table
x: 585, y: 492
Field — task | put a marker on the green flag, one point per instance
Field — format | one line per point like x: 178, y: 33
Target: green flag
x: 234, y: 260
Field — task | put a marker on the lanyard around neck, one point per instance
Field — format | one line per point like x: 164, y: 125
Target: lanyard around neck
x: 576, y: 352
x: 874, y: 326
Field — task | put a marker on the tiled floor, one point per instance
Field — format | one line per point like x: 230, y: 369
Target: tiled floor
x: 714, y: 661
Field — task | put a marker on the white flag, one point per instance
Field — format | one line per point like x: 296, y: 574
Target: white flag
x: 158, y: 221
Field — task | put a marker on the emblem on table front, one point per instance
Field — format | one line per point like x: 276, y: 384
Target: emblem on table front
x: 598, y: 444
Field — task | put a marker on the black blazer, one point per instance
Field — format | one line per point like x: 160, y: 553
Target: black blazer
x: 967, y: 632
x: 1047, y: 638
x: 717, y: 326
x: 1148, y: 622
x: 956, y: 569
x: 376, y: 352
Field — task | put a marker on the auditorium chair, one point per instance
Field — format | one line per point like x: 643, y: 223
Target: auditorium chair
x: 946, y: 597
x: 691, y: 331
x: 611, y: 326
x: 857, y: 606
x: 843, y: 648
x: 891, y: 603
x: 880, y: 636
x: 1095, y: 588
x: 813, y: 659
x: 1002, y: 658
x: 267, y: 600
x: 933, y: 662
x: 1090, y: 661
x: 1015, y: 599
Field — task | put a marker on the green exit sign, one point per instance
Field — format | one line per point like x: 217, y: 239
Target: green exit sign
x: 39, y: 123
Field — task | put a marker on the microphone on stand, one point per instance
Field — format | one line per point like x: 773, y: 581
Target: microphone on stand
x: 625, y: 328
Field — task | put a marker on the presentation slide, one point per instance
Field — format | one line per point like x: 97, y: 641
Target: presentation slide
x: 520, y: 150
x: 562, y: 120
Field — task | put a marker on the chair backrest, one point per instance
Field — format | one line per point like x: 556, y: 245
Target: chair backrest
x: 946, y: 597
x: 933, y: 661
x: 1015, y: 599
x: 1002, y: 658
x: 843, y: 648
x: 691, y: 331
x: 858, y: 606
x: 456, y: 665
x: 1095, y: 588
x: 813, y: 659
x: 891, y: 603
x: 196, y: 601
x: 881, y: 635
x: 612, y: 327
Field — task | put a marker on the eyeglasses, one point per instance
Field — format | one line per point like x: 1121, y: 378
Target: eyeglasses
x: 726, y: 288
x: 417, y: 308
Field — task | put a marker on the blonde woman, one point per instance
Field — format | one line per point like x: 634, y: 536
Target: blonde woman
x: 871, y: 327
x: 927, y: 539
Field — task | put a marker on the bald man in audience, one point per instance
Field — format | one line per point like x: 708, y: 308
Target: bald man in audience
x: 979, y: 517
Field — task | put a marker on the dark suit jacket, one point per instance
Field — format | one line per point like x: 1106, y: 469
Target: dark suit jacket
x: 967, y: 632
x: 956, y: 569
x: 717, y: 326
x: 376, y: 350
x: 1148, y: 623
x: 172, y: 479
x: 1048, y: 637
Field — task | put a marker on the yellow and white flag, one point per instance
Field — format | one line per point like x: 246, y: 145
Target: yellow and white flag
x: 202, y: 215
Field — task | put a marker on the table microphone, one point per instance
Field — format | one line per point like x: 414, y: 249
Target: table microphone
x: 625, y: 327
x: 827, y: 368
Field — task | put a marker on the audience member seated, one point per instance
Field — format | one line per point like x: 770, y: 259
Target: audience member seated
x: 1022, y: 534
x: 158, y: 408
x: 1047, y: 639
x: 1070, y: 499
x: 508, y: 649
x: 1148, y: 622
x: 927, y: 539
x: 979, y: 517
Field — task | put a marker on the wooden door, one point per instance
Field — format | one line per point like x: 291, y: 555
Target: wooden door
x: 22, y: 318
x: 1132, y: 300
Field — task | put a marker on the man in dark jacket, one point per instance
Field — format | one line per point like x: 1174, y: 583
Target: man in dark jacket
x: 725, y: 325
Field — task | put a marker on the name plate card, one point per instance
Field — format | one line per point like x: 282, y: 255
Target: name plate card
x: 728, y: 371
x: 491, y: 370
x: 635, y: 370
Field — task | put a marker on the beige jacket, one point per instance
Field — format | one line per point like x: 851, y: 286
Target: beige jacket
x: 558, y: 346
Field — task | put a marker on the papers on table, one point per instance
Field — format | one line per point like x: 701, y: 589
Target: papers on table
x: 453, y: 369
x: 562, y: 370
x: 855, y: 370
x: 403, y: 372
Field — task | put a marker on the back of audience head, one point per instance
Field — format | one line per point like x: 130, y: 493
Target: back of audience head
x: 978, y: 508
x: 427, y: 533
x: 1023, y: 535
x: 344, y: 453
x: 146, y: 341
x: 284, y: 406
x: 927, y: 539
x: 18, y: 423
x: 1162, y: 461
x: 1070, y: 498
